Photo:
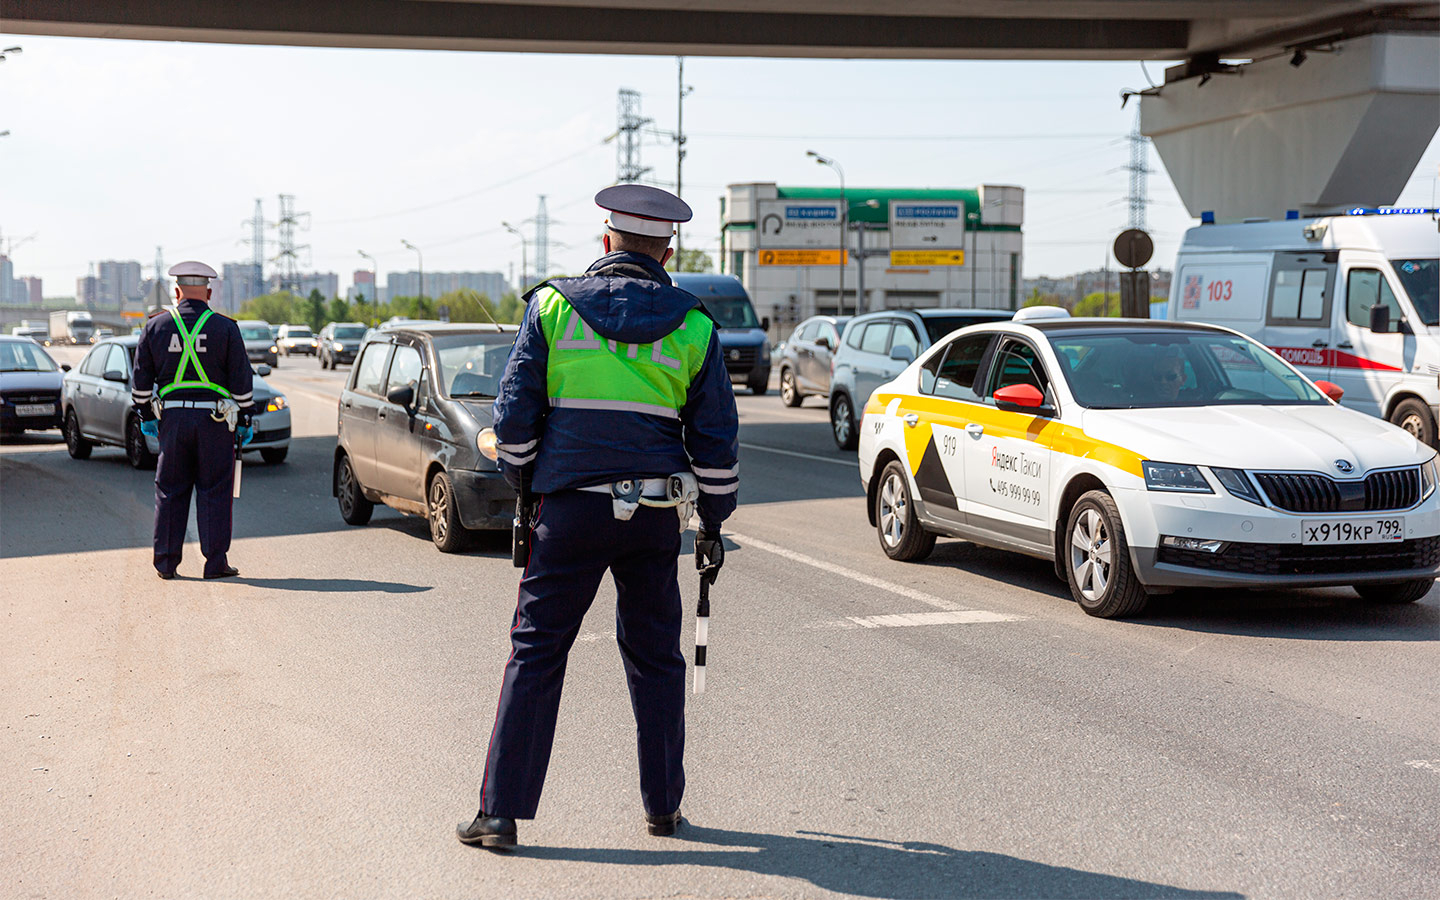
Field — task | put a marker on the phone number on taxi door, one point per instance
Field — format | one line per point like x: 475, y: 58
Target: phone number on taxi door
x: 1014, y: 491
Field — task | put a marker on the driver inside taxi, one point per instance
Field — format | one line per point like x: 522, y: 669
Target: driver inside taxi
x: 1167, y: 375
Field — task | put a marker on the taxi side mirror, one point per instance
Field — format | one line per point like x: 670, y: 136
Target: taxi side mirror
x: 1021, y: 398
x: 1331, y: 390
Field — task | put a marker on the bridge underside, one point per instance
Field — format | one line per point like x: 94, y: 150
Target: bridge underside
x: 897, y: 29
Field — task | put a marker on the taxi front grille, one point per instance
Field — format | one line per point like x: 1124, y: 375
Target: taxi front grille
x: 1314, y: 559
x: 1306, y: 492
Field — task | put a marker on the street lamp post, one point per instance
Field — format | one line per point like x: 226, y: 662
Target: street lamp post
x: 374, y: 278
x: 519, y: 288
x: 421, y: 258
x: 860, y: 254
x: 827, y: 161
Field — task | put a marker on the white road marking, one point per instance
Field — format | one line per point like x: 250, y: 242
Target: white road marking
x: 1432, y: 764
x: 906, y: 620
x: 824, y: 459
x: 882, y: 584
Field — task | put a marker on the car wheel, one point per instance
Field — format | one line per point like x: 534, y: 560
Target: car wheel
x: 445, y: 528
x: 354, y: 508
x: 1414, y: 417
x: 136, y: 450
x: 901, y: 534
x: 1097, y: 560
x: 1395, y: 592
x: 758, y: 386
x: 274, y: 455
x: 789, y: 391
x: 842, y: 422
x: 78, y: 447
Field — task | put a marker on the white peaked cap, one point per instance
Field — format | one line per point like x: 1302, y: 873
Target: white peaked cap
x: 192, y: 267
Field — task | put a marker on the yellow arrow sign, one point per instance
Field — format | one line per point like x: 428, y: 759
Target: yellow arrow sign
x: 800, y: 257
x: 927, y: 257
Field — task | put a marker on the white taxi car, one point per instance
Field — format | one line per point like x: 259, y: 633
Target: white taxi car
x: 1142, y: 456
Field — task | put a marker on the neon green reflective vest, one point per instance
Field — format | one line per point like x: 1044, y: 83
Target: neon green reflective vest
x: 189, y: 358
x: 586, y: 371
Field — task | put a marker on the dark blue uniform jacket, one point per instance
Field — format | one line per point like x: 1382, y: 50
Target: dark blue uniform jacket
x: 221, y: 352
x: 626, y: 297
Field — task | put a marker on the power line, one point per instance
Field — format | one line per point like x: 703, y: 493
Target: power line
x: 628, y: 124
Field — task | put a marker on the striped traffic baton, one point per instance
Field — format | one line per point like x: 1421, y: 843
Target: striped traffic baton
x: 702, y: 625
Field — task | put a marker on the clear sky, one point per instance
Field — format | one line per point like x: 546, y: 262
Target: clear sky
x: 116, y: 147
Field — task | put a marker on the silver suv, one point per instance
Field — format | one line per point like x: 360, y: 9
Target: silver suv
x: 808, y: 357
x: 876, y: 347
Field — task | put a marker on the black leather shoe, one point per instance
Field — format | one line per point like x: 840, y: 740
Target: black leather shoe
x: 663, y: 826
x: 487, y: 831
x: 165, y: 575
x: 227, y: 572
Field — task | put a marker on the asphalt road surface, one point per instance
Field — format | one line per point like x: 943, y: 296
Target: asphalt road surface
x: 317, y: 727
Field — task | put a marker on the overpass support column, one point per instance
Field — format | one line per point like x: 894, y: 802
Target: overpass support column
x: 1345, y: 127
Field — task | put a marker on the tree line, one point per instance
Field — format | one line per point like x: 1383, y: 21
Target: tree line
x: 463, y: 305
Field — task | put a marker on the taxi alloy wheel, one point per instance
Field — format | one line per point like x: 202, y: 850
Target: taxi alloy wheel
x: 789, y: 392
x: 901, y: 534
x: 445, y: 528
x: 842, y: 423
x: 1098, y: 566
x: 75, y: 444
x: 354, y: 508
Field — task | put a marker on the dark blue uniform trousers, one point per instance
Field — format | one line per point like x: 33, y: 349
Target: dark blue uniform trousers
x: 198, y: 453
x: 575, y: 539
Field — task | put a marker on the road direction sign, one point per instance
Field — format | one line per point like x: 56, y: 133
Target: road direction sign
x: 927, y: 225
x: 801, y: 257
x: 799, y: 224
x: 927, y: 257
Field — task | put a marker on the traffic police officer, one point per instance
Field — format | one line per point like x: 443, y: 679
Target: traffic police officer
x: 615, y: 383
x: 191, y: 371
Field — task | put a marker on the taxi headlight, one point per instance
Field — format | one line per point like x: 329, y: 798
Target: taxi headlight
x: 1429, y: 477
x: 1183, y: 479
x: 1238, y: 483
x: 486, y: 442
x: 276, y: 404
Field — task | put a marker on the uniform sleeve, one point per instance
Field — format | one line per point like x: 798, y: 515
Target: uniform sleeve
x: 712, y: 435
x: 142, y: 388
x: 239, y: 375
x: 523, y: 402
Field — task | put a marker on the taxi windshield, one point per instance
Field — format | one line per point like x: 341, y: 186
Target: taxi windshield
x: 1166, y: 368
x: 471, y: 364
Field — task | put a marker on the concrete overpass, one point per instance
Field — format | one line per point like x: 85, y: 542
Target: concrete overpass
x: 1346, y: 129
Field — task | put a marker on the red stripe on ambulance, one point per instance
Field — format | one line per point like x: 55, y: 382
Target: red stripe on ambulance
x: 1337, y: 359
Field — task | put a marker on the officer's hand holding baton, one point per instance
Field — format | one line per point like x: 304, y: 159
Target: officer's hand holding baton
x: 709, y: 557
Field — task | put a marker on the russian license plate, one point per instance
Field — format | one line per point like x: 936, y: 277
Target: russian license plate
x: 34, y: 409
x: 1352, y: 531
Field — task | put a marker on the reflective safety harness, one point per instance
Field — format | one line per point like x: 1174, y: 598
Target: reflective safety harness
x: 189, y: 358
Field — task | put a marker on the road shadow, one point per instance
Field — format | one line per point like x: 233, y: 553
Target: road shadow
x: 334, y: 585
x: 1329, y: 614
x: 869, y: 867
x: 32, y: 439
x: 999, y: 566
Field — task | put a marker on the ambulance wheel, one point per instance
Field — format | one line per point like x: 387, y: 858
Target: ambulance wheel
x: 1414, y: 416
x: 1097, y: 560
x: 789, y: 391
x: 136, y: 450
x: 842, y: 422
x: 354, y: 508
x: 445, y: 528
x: 901, y: 534
x: 1395, y: 592
x: 274, y: 455
x: 77, y: 446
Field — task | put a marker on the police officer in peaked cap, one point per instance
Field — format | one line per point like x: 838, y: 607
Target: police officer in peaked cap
x: 616, y: 408
x: 193, y: 389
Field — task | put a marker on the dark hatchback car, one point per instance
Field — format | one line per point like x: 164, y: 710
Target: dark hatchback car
x: 411, y: 417
x: 29, y: 386
x: 808, y: 357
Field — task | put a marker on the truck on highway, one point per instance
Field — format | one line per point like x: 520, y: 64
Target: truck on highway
x: 71, y: 327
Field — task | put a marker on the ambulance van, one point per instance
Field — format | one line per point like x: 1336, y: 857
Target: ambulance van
x: 1351, y: 299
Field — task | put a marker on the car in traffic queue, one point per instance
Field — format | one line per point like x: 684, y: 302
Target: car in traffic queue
x: 415, y: 424
x: 260, y: 346
x: 1143, y: 456
x: 339, y: 342
x: 744, y: 342
x: 294, y: 339
x: 30, y: 384
x: 877, y: 346
x: 98, y: 409
x: 807, y: 358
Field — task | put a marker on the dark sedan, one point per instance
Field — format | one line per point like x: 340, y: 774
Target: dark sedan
x: 411, y: 422
x: 29, y: 386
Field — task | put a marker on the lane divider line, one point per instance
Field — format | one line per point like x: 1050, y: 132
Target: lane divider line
x: 907, y: 620
x: 832, y: 568
x: 825, y: 459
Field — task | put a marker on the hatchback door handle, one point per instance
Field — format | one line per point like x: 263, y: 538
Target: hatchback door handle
x: 911, y: 419
x: 975, y: 429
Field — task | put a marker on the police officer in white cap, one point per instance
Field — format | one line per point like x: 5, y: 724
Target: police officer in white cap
x: 193, y: 389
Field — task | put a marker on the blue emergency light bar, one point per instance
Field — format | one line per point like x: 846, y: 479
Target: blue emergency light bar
x: 1392, y: 211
